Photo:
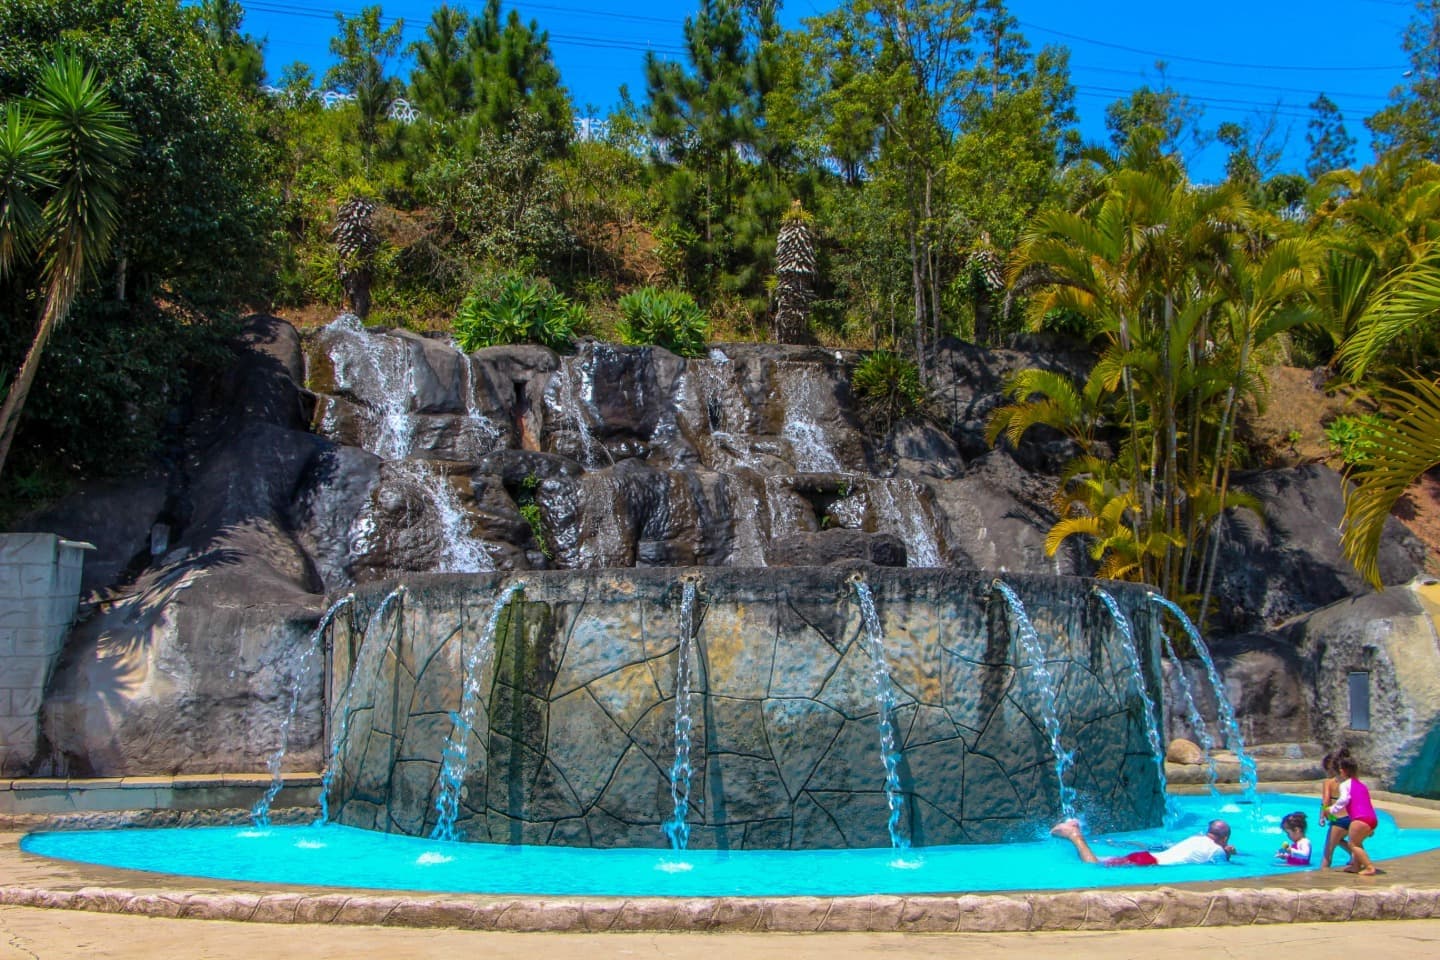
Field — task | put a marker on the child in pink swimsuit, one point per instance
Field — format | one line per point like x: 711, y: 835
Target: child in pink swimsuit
x: 1352, y: 814
x: 1296, y: 850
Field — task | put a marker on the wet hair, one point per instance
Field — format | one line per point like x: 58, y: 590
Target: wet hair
x: 1348, y: 766
x: 1331, y: 762
x: 1218, y: 829
x: 1294, y: 821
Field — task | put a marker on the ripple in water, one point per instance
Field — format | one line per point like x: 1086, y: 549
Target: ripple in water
x: 670, y: 866
x: 430, y: 858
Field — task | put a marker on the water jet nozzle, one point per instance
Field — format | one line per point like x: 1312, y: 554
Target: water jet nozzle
x: 856, y: 577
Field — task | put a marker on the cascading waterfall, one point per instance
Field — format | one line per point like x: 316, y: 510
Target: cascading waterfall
x: 571, y: 406
x: 885, y: 704
x: 807, y: 440
x: 362, y: 674
x: 459, y: 551
x: 1152, y: 715
x: 455, y: 756
x: 677, y: 828
x: 260, y: 813
x: 1033, y: 654
x: 1192, y: 713
x: 1249, y: 777
x: 897, y: 504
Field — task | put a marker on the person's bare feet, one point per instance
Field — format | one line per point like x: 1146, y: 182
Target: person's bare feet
x: 1368, y: 872
x: 1069, y: 829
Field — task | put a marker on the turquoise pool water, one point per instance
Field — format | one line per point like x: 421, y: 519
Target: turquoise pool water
x: 335, y: 856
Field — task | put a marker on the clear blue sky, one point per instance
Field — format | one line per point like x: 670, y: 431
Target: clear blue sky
x: 1238, y: 59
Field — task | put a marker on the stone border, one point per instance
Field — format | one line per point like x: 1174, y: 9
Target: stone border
x: 1152, y: 909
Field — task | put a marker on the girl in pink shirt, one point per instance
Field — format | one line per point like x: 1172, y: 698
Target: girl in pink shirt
x: 1352, y: 814
x: 1296, y: 851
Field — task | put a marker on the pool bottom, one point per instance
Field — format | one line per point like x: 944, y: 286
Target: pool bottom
x: 333, y: 856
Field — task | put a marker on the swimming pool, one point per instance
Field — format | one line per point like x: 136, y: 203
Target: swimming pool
x: 336, y: 856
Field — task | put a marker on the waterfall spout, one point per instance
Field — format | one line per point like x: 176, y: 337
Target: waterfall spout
x: 260, y: 813
x: 885, y: 704
x: 677, y: 828
x: 361, y: 679
x: 1034, y: 655
x: 1249, y: 778
x: 1152, y: 716
x: 455, y: 756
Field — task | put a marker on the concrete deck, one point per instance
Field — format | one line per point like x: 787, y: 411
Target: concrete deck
x: 1407, y: 889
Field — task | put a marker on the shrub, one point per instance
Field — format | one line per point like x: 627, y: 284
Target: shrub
x: 518, y: 310
x: 1351, y: 437
x: 663, y: 318
x: 887, y: 387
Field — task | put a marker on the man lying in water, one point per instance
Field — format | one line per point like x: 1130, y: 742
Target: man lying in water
x: 1207, y: 847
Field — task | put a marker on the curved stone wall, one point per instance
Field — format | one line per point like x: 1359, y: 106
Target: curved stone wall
x: 575, y: 741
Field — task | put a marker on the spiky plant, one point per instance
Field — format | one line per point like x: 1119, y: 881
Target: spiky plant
x: 355, y: 242
x: 795, y: 275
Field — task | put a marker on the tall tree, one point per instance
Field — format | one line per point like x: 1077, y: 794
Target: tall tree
x: 1162, y: 107
x: 364, y: 47
x: 238, y: 57
x: 440, y: 84
x: 62, y: 157
x: 706, y: 118
x: 513, y: 72
x: 1411, y: 122
x: 1331, y: 145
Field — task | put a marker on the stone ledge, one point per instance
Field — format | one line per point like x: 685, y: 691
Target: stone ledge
x: 1092, y: 910
x: 58, y: 796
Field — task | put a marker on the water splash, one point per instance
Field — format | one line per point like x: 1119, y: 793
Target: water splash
x: 460, y: 551
x: 899, y: 507
x: 1249, y: 776
x: 573, y: 407
x: 260, y: 813
x: 362, y: 676
x: 359, y: 355
x: 885, y: 704
x: 455, y: 756
x: 1034, y: 655
x: 808, y: 444
x: 1192, y: 713
x: 1152, y: 715
x: 677, y: 828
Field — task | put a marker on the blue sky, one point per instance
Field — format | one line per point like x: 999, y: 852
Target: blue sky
x: 1238, y: 60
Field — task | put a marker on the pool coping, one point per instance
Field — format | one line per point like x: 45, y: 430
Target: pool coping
x: 1409, y: 889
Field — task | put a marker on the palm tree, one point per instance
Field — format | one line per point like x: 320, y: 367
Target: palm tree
x: 62, y: 154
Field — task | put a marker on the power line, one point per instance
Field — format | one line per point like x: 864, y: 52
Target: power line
x: 1212, y: 63
x: 1167, y: 78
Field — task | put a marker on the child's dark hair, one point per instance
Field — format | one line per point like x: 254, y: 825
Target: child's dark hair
x: 1331, y: 762
x: 1295, y: 820
x: 1348, y: 766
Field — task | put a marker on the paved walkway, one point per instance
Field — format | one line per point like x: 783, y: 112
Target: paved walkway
x: 34, y: 934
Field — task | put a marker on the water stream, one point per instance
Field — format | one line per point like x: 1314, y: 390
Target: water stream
x: 1249, y: 777
x: 1152, y: 715
x: 362, y: 675
x: 1032, y: 654
x: 885, y: 705
x: 260, y: 813
x: 455, y: 755
x: 677, y: 827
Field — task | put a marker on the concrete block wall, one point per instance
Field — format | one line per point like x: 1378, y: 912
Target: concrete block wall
x: 39, y: 594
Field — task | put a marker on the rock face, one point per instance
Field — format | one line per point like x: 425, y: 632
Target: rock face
x: 1291, y: 563
x: 362, y: 456
x: 1373, y: 664
x: 578, y: 701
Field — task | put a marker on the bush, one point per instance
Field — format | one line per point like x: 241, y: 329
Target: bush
x: 663, y: 318
x: 518, y: 310
x: 1352, y: 437
x: 887, y: 387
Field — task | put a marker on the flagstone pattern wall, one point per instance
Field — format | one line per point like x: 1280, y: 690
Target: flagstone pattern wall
x: 576, y: 739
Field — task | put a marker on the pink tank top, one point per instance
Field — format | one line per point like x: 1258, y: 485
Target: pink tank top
x: 1360, y: 806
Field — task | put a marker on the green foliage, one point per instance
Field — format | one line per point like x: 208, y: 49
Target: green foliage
x: 1410, y: 124
x: 363, y: 48
x: 1331, y: 145
x: 663, y: 318
x: 887, y: 387
x: 517, y: 310
x: 1353, y: 437
x: 530, y: 512
x: 196, y: 213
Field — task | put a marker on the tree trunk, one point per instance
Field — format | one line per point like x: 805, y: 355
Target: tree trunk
x: 20, y: 389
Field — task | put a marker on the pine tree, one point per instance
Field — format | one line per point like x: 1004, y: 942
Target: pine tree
x: 440, y: 82
x: 795, y: 275
x: 512, y: 71
x: 364, y: 47
x: 1411, y: 123
x: 1331, y: 146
